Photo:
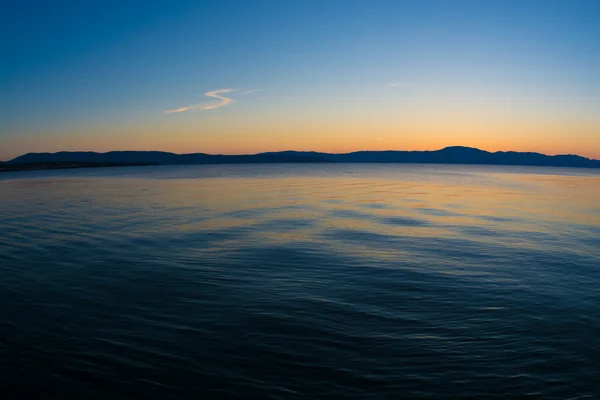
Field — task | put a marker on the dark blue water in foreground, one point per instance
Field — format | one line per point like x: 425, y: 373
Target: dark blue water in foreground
x: 289, y: 282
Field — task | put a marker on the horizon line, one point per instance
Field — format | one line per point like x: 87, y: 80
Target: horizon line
x: 303, y: 151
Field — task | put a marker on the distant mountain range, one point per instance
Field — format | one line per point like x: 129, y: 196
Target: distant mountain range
x: 448, y: 155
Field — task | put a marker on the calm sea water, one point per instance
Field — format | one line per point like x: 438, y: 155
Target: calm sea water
x: 300, y: 282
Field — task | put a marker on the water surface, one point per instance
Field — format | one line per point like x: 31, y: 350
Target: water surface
x: 301, y: 281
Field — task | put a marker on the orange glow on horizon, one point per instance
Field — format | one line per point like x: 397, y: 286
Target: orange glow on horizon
x: 331, y: 135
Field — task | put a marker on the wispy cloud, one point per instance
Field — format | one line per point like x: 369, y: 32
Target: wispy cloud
x: 252, y: 91
x: 396, y: 84
x: 217, y: 94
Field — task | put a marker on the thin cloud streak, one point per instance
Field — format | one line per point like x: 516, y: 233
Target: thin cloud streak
x: 182, y: 109
x: 223, y: 101
x: 252, y: 91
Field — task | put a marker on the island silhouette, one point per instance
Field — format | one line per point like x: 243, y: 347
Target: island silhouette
x: 448, y: 155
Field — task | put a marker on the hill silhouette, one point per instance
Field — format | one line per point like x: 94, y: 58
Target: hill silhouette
x: 448, y: 155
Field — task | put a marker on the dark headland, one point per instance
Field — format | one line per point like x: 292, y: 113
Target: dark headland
x: 448, y: 155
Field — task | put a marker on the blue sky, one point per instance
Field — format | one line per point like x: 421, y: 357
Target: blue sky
x: 309, y: 75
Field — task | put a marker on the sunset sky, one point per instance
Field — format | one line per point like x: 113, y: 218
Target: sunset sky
x: 336, y: 76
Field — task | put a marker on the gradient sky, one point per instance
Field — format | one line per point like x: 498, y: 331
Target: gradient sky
x: 250, y: 76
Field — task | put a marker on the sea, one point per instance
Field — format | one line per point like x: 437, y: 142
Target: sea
x: 300, y: 281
